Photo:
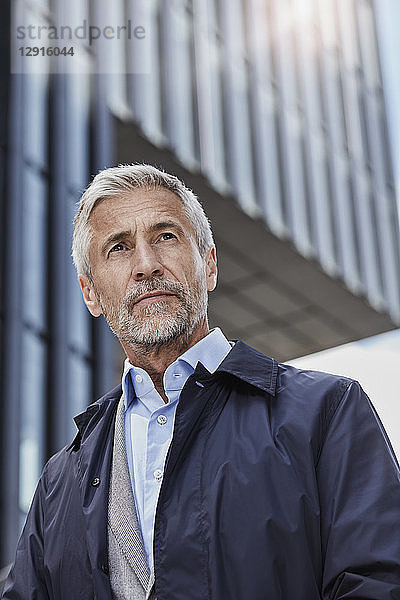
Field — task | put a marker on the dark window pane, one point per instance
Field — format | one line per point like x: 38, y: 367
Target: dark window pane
x: 34, y: 248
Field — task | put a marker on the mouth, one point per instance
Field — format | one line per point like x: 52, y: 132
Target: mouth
x: 153, y: 297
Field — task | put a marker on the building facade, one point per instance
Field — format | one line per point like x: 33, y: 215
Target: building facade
x: 272, y: 110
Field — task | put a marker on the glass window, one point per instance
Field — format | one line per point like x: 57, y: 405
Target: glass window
x: 328, y: 24
x: 145, y: 88
x: 72, y: 13
x: 353, y: 118
x: 307, y: 69
x: 345, y: 221
x: 31, y: 16
x: 176, y: 50
x: 386, y: 224
x: 76, y: 142
x: 348, y: 35
x: 331, y: 84
x: 32, y: 416
x: 321, y: 211
x: 366, y: 228
x: 79, y: 393
x: 291, y: 133
x: 263, y: 103
x: 237, y: 109
x: 208, y: 69
x: 333, y: 103
x: 35, y: 119
x: 309, y: 98
x: 40, y: 5
x: 369, y: 52
x: 308, y: 76
x: 34, y: 248
x: 286, y: 75
x: 111, y: 56
x: 387, y: 158
x: 292, y: 129
x: 79, y: 332
x: 363, y: 115
x: 376, y: 140
x: 267, y: 161
x: 350, y: 80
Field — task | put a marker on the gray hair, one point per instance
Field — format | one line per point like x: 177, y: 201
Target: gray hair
x: 118, y: 181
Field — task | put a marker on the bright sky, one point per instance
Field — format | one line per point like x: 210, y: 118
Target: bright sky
x: 375, y: 363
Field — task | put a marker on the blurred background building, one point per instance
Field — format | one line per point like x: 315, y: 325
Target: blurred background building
x: 273, y: 111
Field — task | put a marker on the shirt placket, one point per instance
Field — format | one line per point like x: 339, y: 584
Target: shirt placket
x: 159, y: 434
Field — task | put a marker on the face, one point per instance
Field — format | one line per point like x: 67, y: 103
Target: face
x: 148, y: 277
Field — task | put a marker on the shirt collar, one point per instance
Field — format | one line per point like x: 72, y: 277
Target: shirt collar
x: 210, y: 351
x: 247, y: 364
x: 242, y: 361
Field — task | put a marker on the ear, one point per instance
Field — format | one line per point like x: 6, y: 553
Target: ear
x: 211, y: 268
x: 89, y: 295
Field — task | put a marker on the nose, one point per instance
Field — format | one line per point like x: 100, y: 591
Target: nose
x: 145, y: 262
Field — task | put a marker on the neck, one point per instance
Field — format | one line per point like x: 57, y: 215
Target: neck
x: 156, y: 359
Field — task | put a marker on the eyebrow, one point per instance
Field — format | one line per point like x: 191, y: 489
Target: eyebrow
x: 115, y: 237
x: 166, y: 225
x: 119, y: 236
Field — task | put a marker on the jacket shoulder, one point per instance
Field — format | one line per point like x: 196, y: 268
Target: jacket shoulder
x: 319, y: 383
x: 86, y: 422
x: 308, y: 400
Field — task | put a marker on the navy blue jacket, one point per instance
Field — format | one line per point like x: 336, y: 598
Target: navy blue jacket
x: 280, y: 484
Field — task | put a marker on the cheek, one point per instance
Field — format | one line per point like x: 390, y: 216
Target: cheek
x: 111, y: 279
x: 109, y: 294
x: 196, y: 278
x: 189, y: 272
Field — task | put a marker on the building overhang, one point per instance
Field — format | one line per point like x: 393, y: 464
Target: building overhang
x: 268, y: 294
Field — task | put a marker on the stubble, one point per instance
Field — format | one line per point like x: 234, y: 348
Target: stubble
x: 160, y: 323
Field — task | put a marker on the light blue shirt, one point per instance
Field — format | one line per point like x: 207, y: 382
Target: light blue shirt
x: 149, y: 423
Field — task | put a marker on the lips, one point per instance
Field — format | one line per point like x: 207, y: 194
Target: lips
x: 154, y: 294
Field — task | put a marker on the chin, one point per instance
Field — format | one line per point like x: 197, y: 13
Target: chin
x: 154, y: 331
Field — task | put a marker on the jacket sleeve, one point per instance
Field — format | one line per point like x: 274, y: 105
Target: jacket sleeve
x: 359, y: 486
x: 26, y: 578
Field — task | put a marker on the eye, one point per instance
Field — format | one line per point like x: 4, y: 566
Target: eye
x: 167, y: 236
x: 117, y: 248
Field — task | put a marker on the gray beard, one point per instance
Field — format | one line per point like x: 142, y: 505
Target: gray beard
x: 160, y: 323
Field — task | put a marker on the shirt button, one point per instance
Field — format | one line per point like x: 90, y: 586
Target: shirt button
x: 158, y: 474
x: 162, y: 419
x: 139, y: 378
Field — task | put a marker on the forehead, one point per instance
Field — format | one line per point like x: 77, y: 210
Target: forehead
x: 138, y: 207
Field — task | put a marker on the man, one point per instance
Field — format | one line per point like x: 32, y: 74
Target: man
x: 213, y: 472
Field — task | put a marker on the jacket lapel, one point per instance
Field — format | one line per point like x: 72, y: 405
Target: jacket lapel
x: 92, y: 451
x: 150, y: 584
x: 122, y: 516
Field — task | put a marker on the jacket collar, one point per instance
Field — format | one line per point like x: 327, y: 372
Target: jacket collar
x: 249, y: 365
x: 242, y: 362
x: 105, y: 404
